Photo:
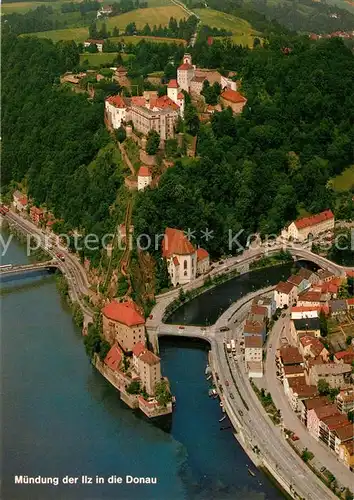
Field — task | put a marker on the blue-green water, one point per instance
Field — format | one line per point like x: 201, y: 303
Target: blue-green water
x: 60, y: 417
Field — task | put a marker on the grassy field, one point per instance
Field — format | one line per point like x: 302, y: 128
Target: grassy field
x: 243, y: 33
x: 151, y: 15
x: 156, y: 39
x: 344, y: 181
x: 95, y: 60
x: 22, y: 7
x: 76, y: 34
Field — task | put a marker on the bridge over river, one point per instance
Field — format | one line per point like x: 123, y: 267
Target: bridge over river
x: 11, y: 269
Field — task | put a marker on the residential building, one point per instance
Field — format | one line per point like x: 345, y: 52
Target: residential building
x: 161, y: 116
x: 350, y: 304
x: 185, y: 73
x: 258, y: 314
x: 305, y: 312
x: 313, y: 347
x: 298, y: 391
x: 308, y: 404
x: 144, y: 177
x: 234, y: 100
x: 255, y: 369
x: 300, y: 282
x: 310, y: 276
x: 116, y: 110
x: 325, y: 275
x: 98, y: 43
x: 123, y: 323
x: 289, y: 356
x: 345, y: 401
x: 312, y: 226
x: 147, y: 366
x: 315, y: 416
x: 104, y: 11
x: 20, y: 201
x: 306, y: 326
x: 196, y: 84
x: 336, y: 375
x: 292, y: 372
x: 253, y: 352
x: 343, y: 434
x: 328, y: 427
x: 346, y: 454
x: 36, y: 214
x: 181, y: 257
x: 285, y: 294
x: 203, y: 261
x: 337, y: 307
x: 309, y: 298
x: 344, y: 357
x: 268, y: 303
x: 254, y: 328
x: 227, y: 83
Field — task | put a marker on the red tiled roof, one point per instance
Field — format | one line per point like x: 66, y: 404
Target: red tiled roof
x: 144, y: 171
x: 305, y: 308
x: 259, y: 310
x: 233, y: 96
x: 290, y: 355
x: 185, y: 66
x: 202, y: 254
x: 91, y: 40
x: 138, y: 100
x: 350, y: 302
x: 36, y: 210
x: 149, y: 358
x: 325, y: 411
x: 254, y: 327
x: 349, y: 446
x: 346, y: 432
x: 113, y: 358
x: 180, y: 95
x: 23, y: 200
x: 310, y: 296
x: 252, y: 341
x: 138, y: 349
x: 117, y: 101
x: 313, y: 220
x: 175, y: 242
x: 123, y: 312
x: 293, y: 370
x: 284, y: 287
x: 317, y: 402
x: 296, y: 279
x: 163, y: 102
x: 346, y: 356
x: 173, y: 84
x: 335, y: 421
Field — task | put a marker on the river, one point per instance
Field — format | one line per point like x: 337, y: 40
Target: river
x: 60, y: 417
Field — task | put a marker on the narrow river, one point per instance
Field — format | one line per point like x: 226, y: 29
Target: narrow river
x: 60, y: 417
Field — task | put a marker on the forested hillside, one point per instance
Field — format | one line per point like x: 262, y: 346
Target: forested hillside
x: 259, y: 170
x: 51, y: 136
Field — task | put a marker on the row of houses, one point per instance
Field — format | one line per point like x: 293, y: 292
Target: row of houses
x: 309, y: 227
x: 38, y: 215
x: 254, y: 334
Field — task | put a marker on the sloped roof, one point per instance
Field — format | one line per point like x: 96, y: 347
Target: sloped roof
x: 176, y: 242
x: 138, y: 349
x: 123, y: 312
x: 233, y: 96
x: 117, y: 101
x: 172, y: 84
x: 313, y: 220
x: 202, y: 254
x: 144, y: 171
x: 114, y: 357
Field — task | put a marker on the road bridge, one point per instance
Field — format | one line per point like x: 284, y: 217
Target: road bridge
x: 28, y: 268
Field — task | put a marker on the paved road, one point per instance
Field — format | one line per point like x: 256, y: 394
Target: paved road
x: 291, y: 421
x: 258, y: 427
x: 71, y: 267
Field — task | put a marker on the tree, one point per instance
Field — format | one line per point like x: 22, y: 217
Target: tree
x: 191, y: 119
x: 115, y: 31
x: 121, y: 134
x: 153, y: 142
x: 134, y: 387
x: 162, y: 393
x: 323, y: 387
x: 306, y: 455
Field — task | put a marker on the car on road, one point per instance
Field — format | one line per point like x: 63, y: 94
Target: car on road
x: 270, y: 346
x: 227, y: 383
x: 60, y: 256
x: 342, y: 489
x: 232, y: 396
x: 181, y: 327
x: 294, y: 437
x: 224, y: 329
x: 322, y: 469
x: 240, y: 412
x: 283, y: 315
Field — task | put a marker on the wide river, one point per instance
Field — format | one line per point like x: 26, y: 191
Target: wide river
x: 61, y: 418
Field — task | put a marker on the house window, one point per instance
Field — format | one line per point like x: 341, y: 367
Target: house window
x: 185, y: 264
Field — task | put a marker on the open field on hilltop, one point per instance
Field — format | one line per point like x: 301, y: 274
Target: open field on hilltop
x: 243, y: 33
x: 156, y: 39
x: 22, y: 7
x: 344, y: 181
x: 95, y: 60
x: 76, y: 34
x: 151, y: 15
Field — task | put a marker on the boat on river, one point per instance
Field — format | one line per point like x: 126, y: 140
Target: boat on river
x: 222, y: 419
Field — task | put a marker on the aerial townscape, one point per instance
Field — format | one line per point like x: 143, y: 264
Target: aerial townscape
x: 177, y: 222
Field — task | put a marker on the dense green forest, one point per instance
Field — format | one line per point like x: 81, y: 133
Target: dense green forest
x: 54, y: 140
x: 261, y: 169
